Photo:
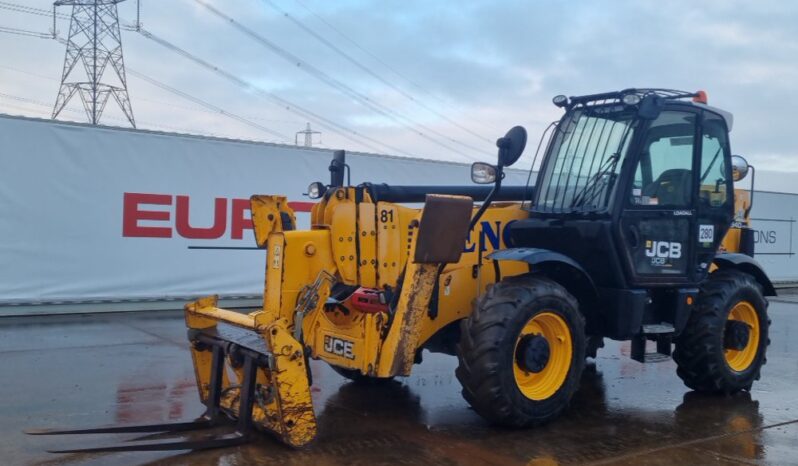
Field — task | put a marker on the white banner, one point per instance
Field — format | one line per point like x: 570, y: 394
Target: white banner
x: 92, y: 213
x: 773, y: 221
x: 109, y: 214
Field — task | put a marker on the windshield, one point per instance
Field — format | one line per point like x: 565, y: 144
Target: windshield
x: 584, y: 157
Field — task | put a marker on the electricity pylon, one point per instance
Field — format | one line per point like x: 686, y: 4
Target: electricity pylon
x: 308, y: 133
x: 94, y: 41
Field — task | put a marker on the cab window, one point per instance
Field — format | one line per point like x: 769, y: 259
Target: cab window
x: 714, y: 181
x: 664, y: 175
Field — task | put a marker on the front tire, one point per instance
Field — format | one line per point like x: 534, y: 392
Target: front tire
x: 715, y: 353
x: 522, y: 352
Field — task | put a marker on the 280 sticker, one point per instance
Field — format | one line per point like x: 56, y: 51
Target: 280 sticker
x: 706, y: 233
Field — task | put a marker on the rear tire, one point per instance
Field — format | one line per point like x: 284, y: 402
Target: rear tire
x: 498, y: 382
x: 704, y: 362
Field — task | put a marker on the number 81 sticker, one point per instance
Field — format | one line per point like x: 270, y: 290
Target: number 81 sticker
x: 706, y: 233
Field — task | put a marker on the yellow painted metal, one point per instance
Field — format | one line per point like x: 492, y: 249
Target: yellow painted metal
x: 742, y: 203
x: 304, y: 254
x: 202, y: 359
x: 317, y: 213
x: 367, y: 242
x: 273, y: 296
x: 389, y: 244
x: 741, y: 360
x: 196, y: 317
x: 544, y: 384
x: 402, y: 341
x: 383, y: 237
x: 332, y: 199
x: 290, y: 413
x: 267, y: 212
x: 359, y: 332
x: 287, y: 408
x: 343, y: 226
x: 459, y: 285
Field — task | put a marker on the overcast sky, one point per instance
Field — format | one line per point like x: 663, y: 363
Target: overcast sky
x: 461, y: 72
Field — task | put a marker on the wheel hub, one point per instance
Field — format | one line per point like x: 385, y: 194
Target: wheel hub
x: 736, y: 335
x: 533, y: 353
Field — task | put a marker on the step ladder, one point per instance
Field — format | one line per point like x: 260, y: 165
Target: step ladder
x: 662, y: 333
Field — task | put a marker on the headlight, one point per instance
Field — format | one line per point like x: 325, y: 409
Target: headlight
x: 316, y: 190
x: 483, y: 173
x: 631, y: 99
x: 560, y: 100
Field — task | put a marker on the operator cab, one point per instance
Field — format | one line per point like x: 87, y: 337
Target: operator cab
x: 636, y: 188
x: 635, y: 176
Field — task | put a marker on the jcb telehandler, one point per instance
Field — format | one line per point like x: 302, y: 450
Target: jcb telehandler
x: 633, y: 231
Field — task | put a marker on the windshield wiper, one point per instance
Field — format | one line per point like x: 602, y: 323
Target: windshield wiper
x: 711, y: 164
x: 590, y: 191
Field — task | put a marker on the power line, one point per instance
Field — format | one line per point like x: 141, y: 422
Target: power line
x: 344, y: 131
x: 345, y: 89
x: 159, y: 126
x: 208, y: 106
x: 379, y: 60
x: 17, y: 70
x: 370, y: 72
x: 23, y: 99
x: 212, y: 108
x: 30, y: 10
x: 205, y: 104
x: 166, y: 87
x: 284, y: 103
x: 25, y: 32
x: 366, y: 51
x: 327, y: 79
x: 244, y: 84
x: 42, y: 12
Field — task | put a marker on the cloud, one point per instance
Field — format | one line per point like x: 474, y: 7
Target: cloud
x: 483, y: 64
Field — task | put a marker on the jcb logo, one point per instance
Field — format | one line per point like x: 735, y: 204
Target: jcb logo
x: 663, y: 249
x: 339, y: 347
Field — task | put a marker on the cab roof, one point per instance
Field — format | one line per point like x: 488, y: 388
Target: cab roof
x: 697, y: 99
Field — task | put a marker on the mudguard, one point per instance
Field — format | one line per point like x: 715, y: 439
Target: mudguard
x: 581, y: 286
x: 747, y: 264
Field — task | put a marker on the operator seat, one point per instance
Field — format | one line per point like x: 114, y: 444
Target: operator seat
x: 672, y: 187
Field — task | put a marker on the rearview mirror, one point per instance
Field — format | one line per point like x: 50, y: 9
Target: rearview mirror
x: 511, y: 146
x: 483, y: 173
x: 739, y: 167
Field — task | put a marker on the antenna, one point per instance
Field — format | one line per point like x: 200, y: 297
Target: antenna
x: 95, y: 41
x: 308, y: 133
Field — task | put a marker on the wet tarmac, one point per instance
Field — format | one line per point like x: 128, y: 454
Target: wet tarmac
x: 82, y: 371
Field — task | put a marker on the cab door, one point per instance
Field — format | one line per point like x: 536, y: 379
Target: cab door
x: 715, y: 204
x: 658, y: 215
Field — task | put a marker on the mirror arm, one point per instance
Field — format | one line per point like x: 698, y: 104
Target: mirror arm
x: 751, y: 198
x: 488, y: 200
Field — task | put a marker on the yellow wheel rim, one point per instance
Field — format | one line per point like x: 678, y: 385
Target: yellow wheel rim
x: 544, y: 384
x: 741, y: 360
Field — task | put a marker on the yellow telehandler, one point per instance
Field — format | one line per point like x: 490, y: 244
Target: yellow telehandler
x: 632, y: 231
